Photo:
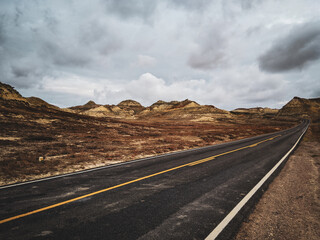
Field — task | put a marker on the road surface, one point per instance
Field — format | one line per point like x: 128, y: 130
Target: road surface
x: 194, y: 194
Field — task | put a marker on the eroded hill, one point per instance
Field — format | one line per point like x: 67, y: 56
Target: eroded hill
x: 130, y: 109
x: 95, y: 134
x: 301, y: 108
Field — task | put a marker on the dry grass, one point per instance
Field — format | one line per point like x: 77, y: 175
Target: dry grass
x: 71, y: 142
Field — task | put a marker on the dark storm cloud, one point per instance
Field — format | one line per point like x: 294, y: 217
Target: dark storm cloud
x: 20, y: 71
x: 24, y: 75
x: 39, y: 39
x: 298, y: 49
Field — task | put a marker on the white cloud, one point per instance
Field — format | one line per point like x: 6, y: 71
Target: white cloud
x: 240, y: 87
x: 70, y: 84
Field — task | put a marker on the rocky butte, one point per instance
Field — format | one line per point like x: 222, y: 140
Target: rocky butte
x: 94, y: 134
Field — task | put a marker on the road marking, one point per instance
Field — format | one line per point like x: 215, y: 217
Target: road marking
x: 127, y: 183
x: 215, y: 233
x: 202, y: 161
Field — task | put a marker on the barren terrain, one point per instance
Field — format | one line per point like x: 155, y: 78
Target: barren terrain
x: 71, y: 142
x: 94, y: 135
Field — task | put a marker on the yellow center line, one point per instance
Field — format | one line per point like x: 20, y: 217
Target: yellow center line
x: 201, y: 161
x: 129, y: 182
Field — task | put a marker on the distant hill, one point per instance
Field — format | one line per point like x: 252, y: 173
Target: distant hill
x: 9, y: 94
x: 39, y: 102
x: 89, y: 105
x: 186, y: 109
x: 297, y: 108
x: 131, y: 109
x: 301, y: 108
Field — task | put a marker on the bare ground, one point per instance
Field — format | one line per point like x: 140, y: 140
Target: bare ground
x: 68, y: 147
x: 71, y: 142
x: 290, y: 208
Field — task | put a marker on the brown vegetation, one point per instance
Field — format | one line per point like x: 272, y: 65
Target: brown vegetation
x: 72, y: 142
x: 72, y: 139
x: 93, y: 135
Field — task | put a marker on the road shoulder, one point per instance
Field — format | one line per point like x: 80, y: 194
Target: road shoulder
x: 290, y: 208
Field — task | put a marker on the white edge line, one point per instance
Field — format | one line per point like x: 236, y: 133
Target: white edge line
x: 134, y: 161
x: 218, y: 229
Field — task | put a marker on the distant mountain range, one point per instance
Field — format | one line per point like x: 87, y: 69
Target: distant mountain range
x: 187, y: 109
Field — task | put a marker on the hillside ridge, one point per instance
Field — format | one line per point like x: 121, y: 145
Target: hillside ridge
x: 187, y: 109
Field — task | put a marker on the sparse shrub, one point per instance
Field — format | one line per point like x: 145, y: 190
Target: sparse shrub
x: 39, y: 137
x: 8, y: 143
x: 61, y: 145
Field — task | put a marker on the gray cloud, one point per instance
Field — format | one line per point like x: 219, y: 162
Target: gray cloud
x: 210, y: 52
x: 142, y: 9
x: 316, y: 93
x: 2, y: 30
x: 295, y: 51
x: 191, y: 4
x: 36, y: 41
x: 61, y: 56
x: 20, y: 72
x: 66, y: 51
x: 248, y: 4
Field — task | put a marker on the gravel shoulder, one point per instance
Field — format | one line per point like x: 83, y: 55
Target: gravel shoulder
x: 290, y: 208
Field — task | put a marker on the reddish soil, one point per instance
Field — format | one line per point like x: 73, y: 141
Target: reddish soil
x: 71, y: 142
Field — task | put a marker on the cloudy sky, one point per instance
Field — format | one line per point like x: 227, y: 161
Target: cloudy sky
x: 228, y: 53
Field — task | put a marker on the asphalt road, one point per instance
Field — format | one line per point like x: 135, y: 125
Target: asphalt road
x: 185, y: 195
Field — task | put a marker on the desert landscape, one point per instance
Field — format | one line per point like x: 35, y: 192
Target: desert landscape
x: 93, y: 135
x: 160, y: 119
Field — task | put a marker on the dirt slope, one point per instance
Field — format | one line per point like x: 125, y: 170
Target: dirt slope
x: 301, y: 108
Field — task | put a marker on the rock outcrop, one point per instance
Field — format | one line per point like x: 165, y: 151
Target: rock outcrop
x: 301, y: 108
x: 9, y: 93
x: 89, y: 105
x: 130, y: 109
x: 12, y: 96
x: 186, y: 109
x: 34, y: 101
x: 297, y: 108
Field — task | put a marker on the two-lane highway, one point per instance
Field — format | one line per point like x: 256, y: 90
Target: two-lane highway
x: 204, y: 192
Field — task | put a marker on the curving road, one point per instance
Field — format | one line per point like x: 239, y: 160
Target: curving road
x: 203, y: 193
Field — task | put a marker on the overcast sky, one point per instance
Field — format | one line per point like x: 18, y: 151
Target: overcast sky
x: 227, y: 53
